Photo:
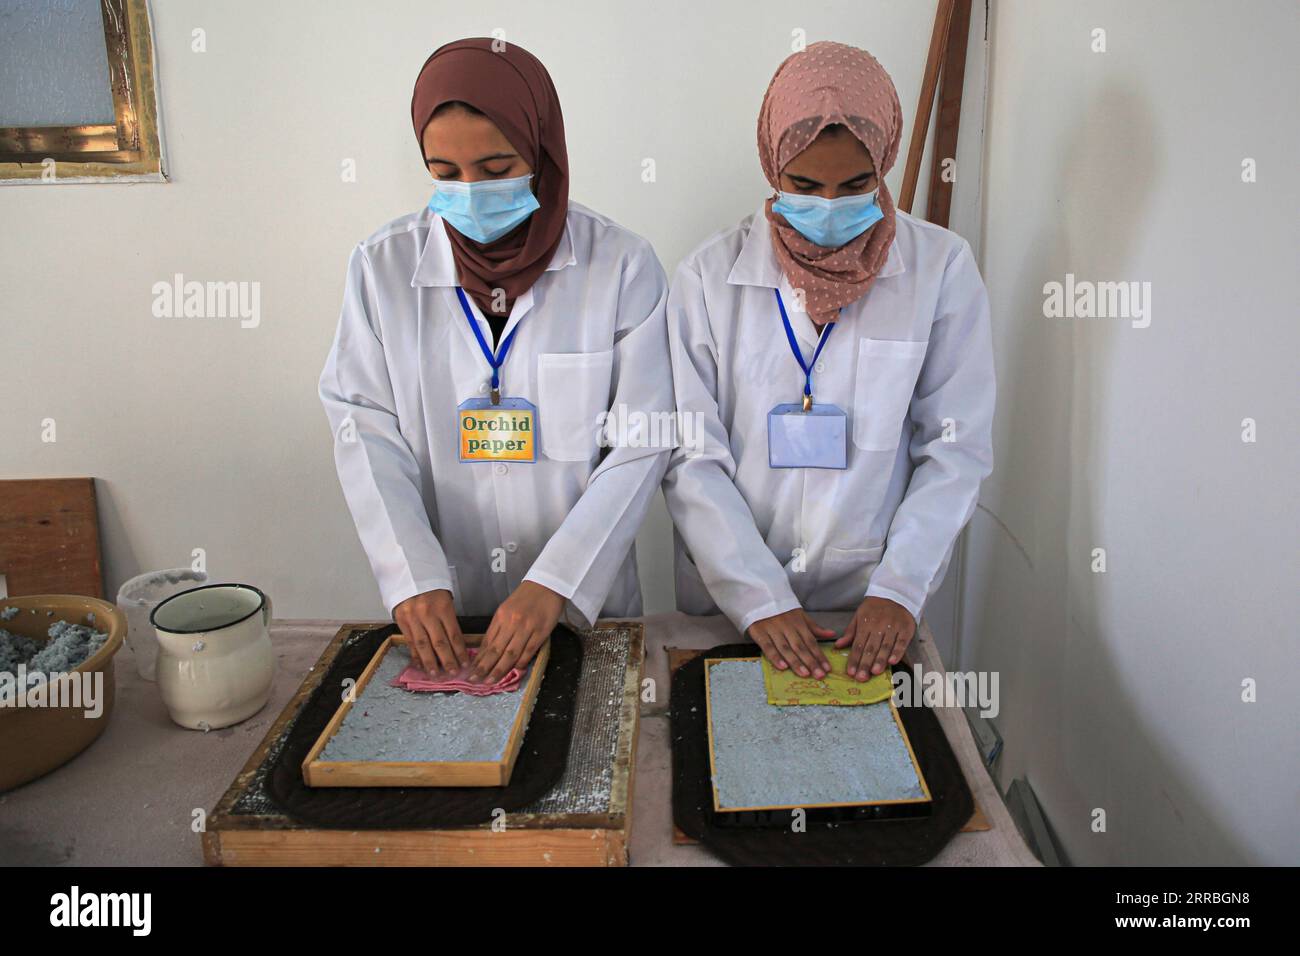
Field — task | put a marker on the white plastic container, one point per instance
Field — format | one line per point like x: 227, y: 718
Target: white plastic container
x: 215, y: 662
x: 138, y: 597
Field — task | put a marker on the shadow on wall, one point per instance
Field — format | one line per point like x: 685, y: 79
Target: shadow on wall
x: 1069, y: 717
x: 116, y: 547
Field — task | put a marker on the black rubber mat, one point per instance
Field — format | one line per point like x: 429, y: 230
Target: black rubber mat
x: 540, y: 764
x: 843, y: 837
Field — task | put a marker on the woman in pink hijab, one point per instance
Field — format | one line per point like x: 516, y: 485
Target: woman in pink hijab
x: 832, y: 362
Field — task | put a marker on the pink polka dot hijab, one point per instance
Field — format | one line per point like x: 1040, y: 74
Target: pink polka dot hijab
x: 825, y: 84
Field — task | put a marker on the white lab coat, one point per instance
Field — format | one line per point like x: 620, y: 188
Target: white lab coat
x: 591, y: 337
x: 908, y: 362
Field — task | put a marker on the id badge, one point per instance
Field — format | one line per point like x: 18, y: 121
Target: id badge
x: 813, y: 439
x: 506, y: 431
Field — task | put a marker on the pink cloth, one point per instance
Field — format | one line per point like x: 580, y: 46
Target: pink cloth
x: 830, y: 83
x: 415, y: 678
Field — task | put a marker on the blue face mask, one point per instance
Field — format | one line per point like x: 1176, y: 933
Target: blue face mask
x: 829, y: 222
x: 486, y: 210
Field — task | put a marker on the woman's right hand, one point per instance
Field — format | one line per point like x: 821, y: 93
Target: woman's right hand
x: 429, y: 622
x: 789, y: 640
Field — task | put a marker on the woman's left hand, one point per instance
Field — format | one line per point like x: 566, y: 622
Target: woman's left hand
x: 519, y: 628
x: 880, y: 631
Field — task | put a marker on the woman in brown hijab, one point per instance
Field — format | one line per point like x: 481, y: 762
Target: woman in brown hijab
x: 499, y: 359
x: 470, y: 97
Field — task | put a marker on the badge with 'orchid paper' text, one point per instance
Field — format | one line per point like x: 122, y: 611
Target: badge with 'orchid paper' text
x: 506, y: 431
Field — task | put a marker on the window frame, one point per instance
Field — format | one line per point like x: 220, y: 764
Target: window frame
x: 128, y: 147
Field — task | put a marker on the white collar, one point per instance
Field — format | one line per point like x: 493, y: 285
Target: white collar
x: 437, y: 267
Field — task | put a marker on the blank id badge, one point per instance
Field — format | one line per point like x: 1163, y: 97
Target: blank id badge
x: 817, y: 438
x: 506, y: 431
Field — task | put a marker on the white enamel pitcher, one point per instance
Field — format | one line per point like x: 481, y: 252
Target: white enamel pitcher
x: 215, y: 662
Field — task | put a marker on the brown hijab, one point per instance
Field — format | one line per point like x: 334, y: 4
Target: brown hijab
x: 830, y: 83
x: 514, y: 91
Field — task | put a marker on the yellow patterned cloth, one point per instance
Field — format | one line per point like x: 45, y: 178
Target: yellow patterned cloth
x: 785, y: 688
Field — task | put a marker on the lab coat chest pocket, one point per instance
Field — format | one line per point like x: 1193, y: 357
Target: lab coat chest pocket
x: 572, y: 391
x: 886, y: 378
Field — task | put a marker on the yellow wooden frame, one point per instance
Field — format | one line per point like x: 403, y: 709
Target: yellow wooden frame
x: 394, y: 773
x: 713, y: 770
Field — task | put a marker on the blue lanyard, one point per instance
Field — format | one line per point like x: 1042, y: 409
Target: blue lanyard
x: 794, y: 347
x: 497, y: 359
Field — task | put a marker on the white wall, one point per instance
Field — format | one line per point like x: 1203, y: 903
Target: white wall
x: 206, y: 435
x: 1122, y: 690
x: 1119, y: 690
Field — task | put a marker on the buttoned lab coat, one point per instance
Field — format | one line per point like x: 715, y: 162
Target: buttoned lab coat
x: 910, y: 363
x: 591, y: 338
